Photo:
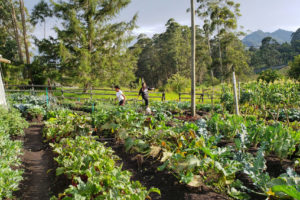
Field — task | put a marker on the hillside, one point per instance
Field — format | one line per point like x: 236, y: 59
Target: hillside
x: 255, y: 38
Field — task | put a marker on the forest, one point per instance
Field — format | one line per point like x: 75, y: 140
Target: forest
x: 92, y: 49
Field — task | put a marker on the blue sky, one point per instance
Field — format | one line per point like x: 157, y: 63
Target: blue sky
x: 266, y: 15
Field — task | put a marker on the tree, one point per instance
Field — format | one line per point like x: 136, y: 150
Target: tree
x: 235, y: 56
x: 92, y: 47
x: 294, y: 72
x: 296, y: 41
x: 22, y: 10
x: 165, y: 54
x: 178, y: 83
x: 48, y: 59
x: 271, y: 53
x: 220, y: 17
x: 8, y: 44
x: 203, y: 55
x: 169, y: 53
x: 269, y: 76
x: 16, y: 30
x: 39, y: 13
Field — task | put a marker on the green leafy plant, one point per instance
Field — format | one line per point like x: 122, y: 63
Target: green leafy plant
x: 269, y: 76
x: 11, y: 124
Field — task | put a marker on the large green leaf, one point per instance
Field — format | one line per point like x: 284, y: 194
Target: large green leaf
x: 288, y: 190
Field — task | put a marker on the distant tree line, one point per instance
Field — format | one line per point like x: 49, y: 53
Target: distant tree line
x: 92, y: 49
x: 271, y: 53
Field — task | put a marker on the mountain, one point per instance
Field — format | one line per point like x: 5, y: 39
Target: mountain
x: 255, y: 38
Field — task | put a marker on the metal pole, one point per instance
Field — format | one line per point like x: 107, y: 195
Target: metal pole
x: 193, y: 77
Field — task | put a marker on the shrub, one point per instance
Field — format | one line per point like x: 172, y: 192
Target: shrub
x: 269, y: 76
x: 178, y: 83
x: 294, y: 72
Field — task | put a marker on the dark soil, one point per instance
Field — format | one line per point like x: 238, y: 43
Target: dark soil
x: 275, y: 166
x: 40, y: 182
x: 188, y: 118
x: 168, y: 184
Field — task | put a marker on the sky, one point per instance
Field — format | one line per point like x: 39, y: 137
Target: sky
x: 265, y: 15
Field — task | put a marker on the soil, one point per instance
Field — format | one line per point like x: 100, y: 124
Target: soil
x: 168, y: 184
x: 39, y: 180
x: 188, y: 118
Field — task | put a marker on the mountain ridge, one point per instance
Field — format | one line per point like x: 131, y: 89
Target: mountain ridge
x: 255, y: 38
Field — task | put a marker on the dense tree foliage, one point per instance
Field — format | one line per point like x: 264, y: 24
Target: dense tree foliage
x: 271, y: 53
x: 92, y: 46
x: 296, y: 41
x: 40, y: 12
x: 169, y: 53
x: 268, y: 76
x: 220, y: 21
x: 218, y: 48
x: 295, y: 68
x: 14, y: 40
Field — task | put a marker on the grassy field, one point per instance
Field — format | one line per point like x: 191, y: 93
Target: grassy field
x: 77, y: 94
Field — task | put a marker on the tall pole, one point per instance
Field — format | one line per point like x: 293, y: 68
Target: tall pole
x: 193, y: 77
x: 235, y: 93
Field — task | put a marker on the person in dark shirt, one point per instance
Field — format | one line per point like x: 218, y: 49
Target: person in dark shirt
x: 144, y: 92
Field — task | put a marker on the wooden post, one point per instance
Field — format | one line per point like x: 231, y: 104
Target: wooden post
x: 212, y: 89
x: 235, y: 94
x: 32, y: 89
x: 62, y: 93
x: 47, y: 97
x: 239, y: 91
x: 179, y: 96
x: 163, y: 96
x: 193, y: 77
x: 202, y: 96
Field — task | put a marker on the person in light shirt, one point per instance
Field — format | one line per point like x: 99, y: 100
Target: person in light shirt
x: 120, y: 96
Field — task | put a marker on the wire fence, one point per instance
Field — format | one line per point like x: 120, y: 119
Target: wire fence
x: 79, y: 94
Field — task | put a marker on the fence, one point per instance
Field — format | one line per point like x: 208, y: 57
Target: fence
x: 61, y: 92
x: 209, y: 94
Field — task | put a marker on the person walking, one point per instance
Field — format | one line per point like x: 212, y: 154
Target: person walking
x: 120, y: 96
x: 144, y: 92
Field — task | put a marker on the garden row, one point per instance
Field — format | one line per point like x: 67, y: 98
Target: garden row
x: 11, y: 126
x: 278, y: 101
x: 229, y: 153
x: 89, y: 165
x: 198, y: 153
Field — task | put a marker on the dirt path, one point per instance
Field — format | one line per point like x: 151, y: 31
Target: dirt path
x: 37, y: 161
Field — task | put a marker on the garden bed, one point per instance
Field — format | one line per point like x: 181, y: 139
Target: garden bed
x: 147, y: 173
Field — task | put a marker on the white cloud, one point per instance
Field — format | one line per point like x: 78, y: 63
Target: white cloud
x: 149, y: 30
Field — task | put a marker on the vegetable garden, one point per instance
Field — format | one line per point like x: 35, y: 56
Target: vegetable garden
x: 215, y: 155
